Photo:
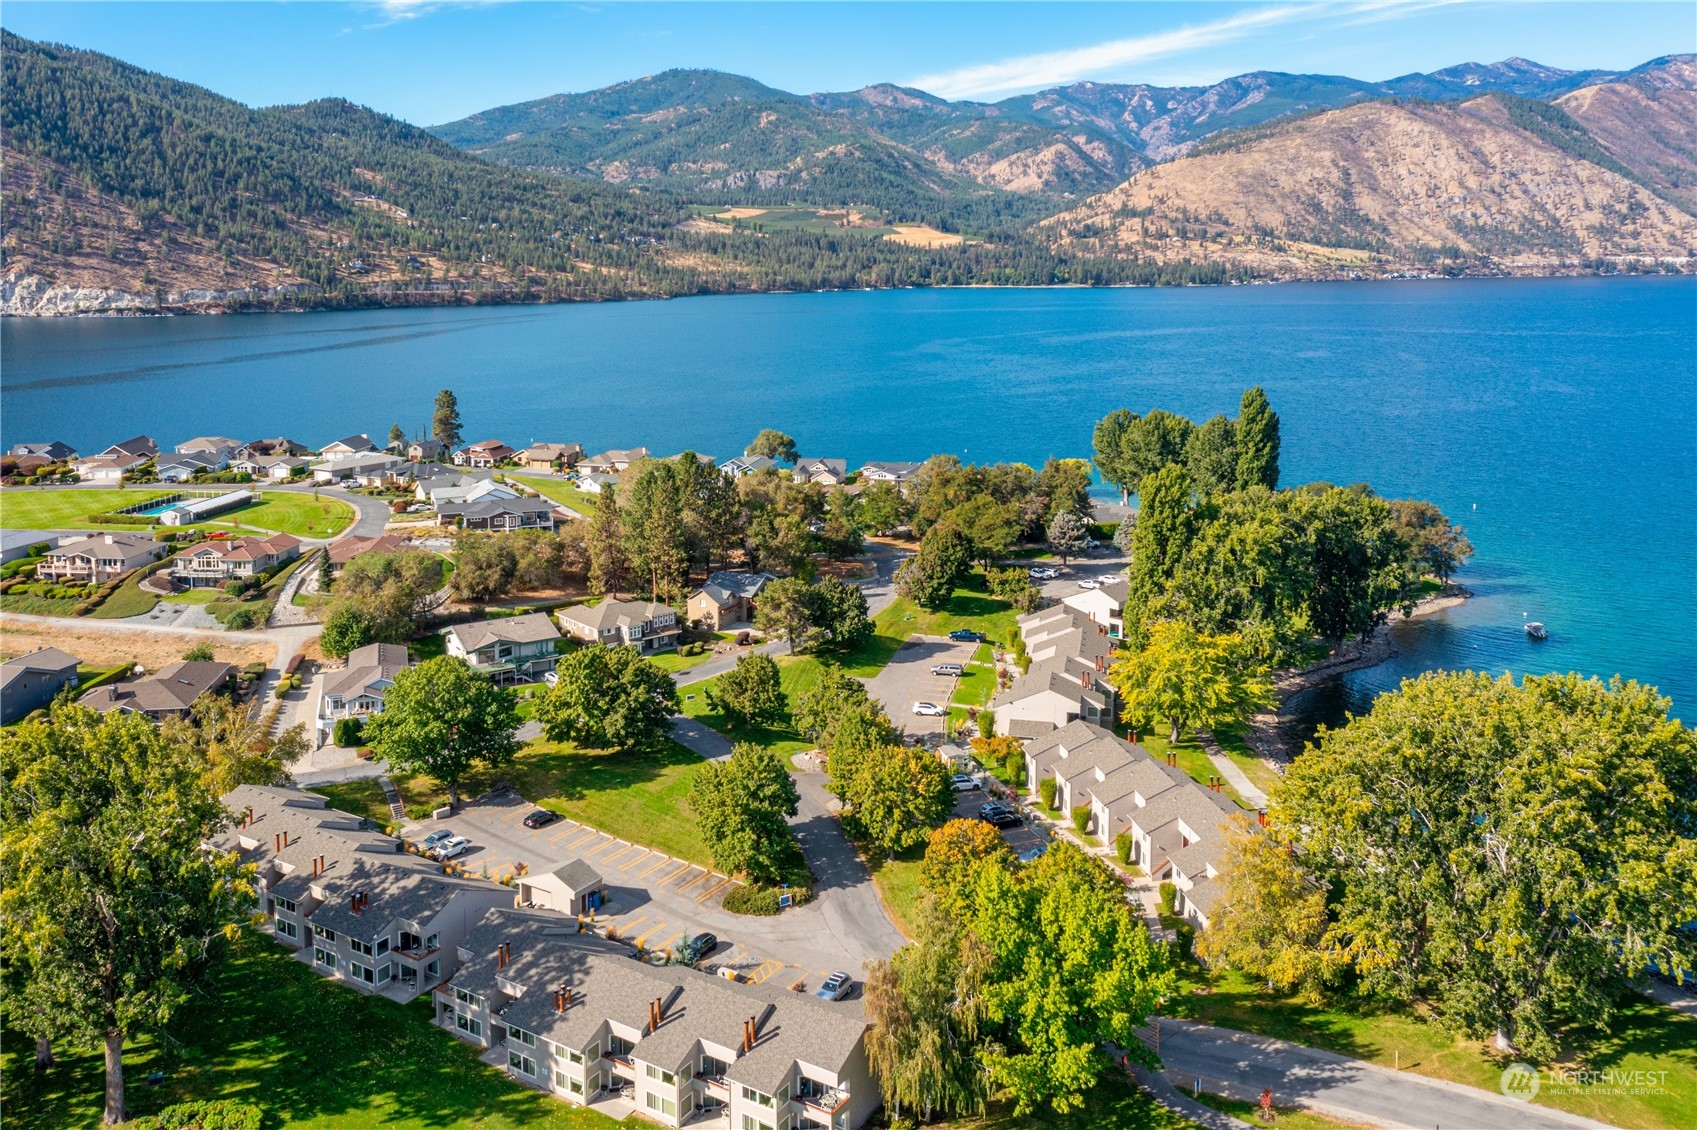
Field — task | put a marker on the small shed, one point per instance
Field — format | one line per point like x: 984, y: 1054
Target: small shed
x: 571, y: 888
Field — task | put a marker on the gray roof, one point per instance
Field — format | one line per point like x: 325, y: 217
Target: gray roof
x: 897, y: 470
x: 131, y: 545
x: 48, y: 659
x: 490, y: 507
x: 367, y: 666
x: 406, y: 893
x: 577, y: 875
x: 609, y: 613
x: 173, y: 687
x: 529, y: 628
x: 355, y: 443
x: 724, y: 588
x: 358, y: 464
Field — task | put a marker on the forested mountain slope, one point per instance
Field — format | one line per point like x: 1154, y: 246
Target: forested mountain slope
x: 1647, y: 120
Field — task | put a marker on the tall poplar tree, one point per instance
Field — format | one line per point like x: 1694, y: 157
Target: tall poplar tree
x: 445, y: 421
x: 1257, y: 441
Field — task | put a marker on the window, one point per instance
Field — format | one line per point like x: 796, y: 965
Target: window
x: 384, y: 972
x: 286, y: 904
x: 522, y: 1064
x: 360, y: 947
x: 320, y: 932
x: 783, y: 1094
x: 565, y: 1053
x: 471, y: 999
x: 430, y: 942
x: 749, y: 1122
x: 712, y: 1067
x: 753, y: 1096
x: 618, y: 1045
x: 433, y: 969
x: 287, y: 929
x: 566, y: 1082
x: 322, y: 956
x: 383, y: 945
x: 662, y: 1104
x: 468, y: 1024
x: 593, y: 1052
x: 361, y: 972
x: 520, y: 1036
x: 661, y: 1074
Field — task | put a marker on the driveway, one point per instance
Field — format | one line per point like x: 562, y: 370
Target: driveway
x: 1239, y: 1065
x: 907, y: 679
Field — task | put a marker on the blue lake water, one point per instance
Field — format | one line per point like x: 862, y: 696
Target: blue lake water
x: 1555, y: 419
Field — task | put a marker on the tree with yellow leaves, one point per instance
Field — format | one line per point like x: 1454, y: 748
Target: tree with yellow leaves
x: 1186, y: 678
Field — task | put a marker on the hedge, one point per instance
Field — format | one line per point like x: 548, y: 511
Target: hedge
x: 752, y: 900
x: 1123, y: 846
x: 215, y: 1114
x: 1081, y: 819
x: 101, y: 680
x: 347, y: 732
x: 1169, y: 898
x: 1046, y: 790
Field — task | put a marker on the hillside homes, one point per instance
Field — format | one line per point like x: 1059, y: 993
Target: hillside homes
x: 98, y: 558
x: 726, y: 599
x: 212, y: 563
x: 167, y: 693
x: 356, y: 691
x: 825, y: 472
x: 573, y: 1016
x: 512, y: 649
x: 645, y: 625
x: 1068, y: 676
x: 1176, y: 825
x: 489, y: 453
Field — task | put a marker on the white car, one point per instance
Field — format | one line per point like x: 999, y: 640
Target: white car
x: 452, y: 846
x: 1044, y: 574
x: 963, y: 782
x: 1089, y: 583
x: 929, y: 710
x: 430, y: 842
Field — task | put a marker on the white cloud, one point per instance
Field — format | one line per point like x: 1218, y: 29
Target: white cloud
x: 1055, y: 68
x: 399, y: 11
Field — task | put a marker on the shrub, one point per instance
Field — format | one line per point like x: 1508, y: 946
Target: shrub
x: 254, y: 670
x: 241, y: 619
x: 347, y: 732
x: 752, y: 900
x: 1081, y: 819
x: 40, y: 549
x: 217, y: 1114
x: 1014, y: 766
x: 987, y: 725
x: 1046, y: 790
x: 235, y: 588
x: 1122, y: 847
x: 1169, y: 898
x: 202, y: 652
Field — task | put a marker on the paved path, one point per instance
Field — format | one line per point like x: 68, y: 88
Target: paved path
x: 701, y: 738
x: 1228, y: 769
x: 1680, y: 1000
x: 1239, y: 1065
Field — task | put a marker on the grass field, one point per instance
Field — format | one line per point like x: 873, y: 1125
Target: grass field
x: 316, y: 1055
x: 299, y: 514
x: 898, y: 884
x: 362, y: 798
x: 559, y: 490
x: 1245, y: 758
x: 1288, y: 1118
x: 671, y: 661
x: 796, y: 672
x: 1646, y: 1037
x: 30, y: 605
x: 971, y: 606
x: 67, y: 509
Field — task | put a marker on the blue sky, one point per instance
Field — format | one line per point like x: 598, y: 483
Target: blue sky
x: 431, y: 61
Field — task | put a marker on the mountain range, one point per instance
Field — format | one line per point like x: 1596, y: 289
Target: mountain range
x: 127, y: 190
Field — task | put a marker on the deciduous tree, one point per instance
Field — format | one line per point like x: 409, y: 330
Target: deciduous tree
x: 1188, y: 679
x: 751, y: 693
x: 485, y: 565
x: 1257, y: 441
x: 838, y: 610
x: 952, y: 853
x: 237, y: 746
x: 441, y: 718
x: 1435, y: 547
x: 1211, y: 456
x: 882, y: 508
x: 740, y: 805
x: 773, y: 444
x: 608, y: 698
x: 894, y: 796
x: 1108, y: 451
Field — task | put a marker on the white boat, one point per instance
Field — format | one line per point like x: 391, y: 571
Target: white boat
x: 1537, y: 631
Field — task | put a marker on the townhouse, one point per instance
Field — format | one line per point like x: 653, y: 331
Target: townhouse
x: 1176, y: 825
x: 98, y: 558
x: 573, y: 1016
x: 1067, y: 678
x: 212, y: 563
x: 512, y: 649
x: 31, y: 682
x: 167, y: 693
x: 726, y: 598
x: 356, y: 691
x: 489, y: 453
x: 645, y: 625
x: 346, y: 899
x: 1104, y: 604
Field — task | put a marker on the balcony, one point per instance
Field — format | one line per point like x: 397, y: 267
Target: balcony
x: 714, y: 1085
x: 826, y: 1100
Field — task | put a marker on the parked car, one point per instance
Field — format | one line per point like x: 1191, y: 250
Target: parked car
x: 998, y: 815
x: 955, y: 669
x: 434, y: 839
x: 928, y: 710
x: 963, y: 635
x: 1043, y: 573
x: 835, y: 987
x: 551, y: 677
x: 541, y: 818
x: 1092, y: 543
x: 1032, y: 853
x: 693, y: 949
x: 450, y: 847
x: 963, y: 783
x: 1089, y: 583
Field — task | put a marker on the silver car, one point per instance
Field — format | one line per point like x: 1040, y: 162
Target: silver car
x: 837, y: 986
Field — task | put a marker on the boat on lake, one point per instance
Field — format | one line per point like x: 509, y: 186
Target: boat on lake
x: 1537, y: 631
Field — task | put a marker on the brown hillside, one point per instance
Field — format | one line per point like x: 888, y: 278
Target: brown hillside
x: 1649, y: 124
x: 1382, y: 187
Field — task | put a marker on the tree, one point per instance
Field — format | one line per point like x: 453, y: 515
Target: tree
x: 1189, y: 679
x: 397, y: 438
x: 1257, y: 441
x: 485, y: 566
x: 894, y: 795
x: 237, y: 747
x: 751, y: 693
x: 774, y: 445
x: 398, y: 587
x: 445, y: 420
x: 1155, y: 442
x: 882, y: 508
x: 112, y: 911
x: 740, y: 805
x: 1068, y: 536
x: 1211, y: 456
x: 441, y: 718
x: 835, y: 693
x: 604, y: 545
x: 1064, y: 486
x: 1006, y: 751
x: 1166, y: 525
x: 991, y: 529
x: 345, y: 629
x: 1356, y: 559
x: 1269, y: 919
x: 1124, y: 532
x: 785, y: 612
x: 654, y: 538
x: 1109, y: 452
x: 1435, y: 547
x: 608, y: 698
x: 1512, y: 856
x: 200, y: 653
x: 838, y: 610
x: 952, y: 854
x: 781, y: 538
x: 920, y: 580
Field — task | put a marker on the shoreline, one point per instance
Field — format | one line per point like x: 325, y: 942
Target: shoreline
x: 1266, y: 732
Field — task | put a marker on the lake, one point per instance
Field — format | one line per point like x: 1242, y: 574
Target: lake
x: 1555, y: 419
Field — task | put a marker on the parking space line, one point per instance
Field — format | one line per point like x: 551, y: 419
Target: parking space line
x: 568, y: 830
x: 668, y: 942
x: 610, y: 845
x: 624, y: 927
x: 692, y: 880
x: 672, y: 874
x: 583, y: 839
x: 635, y: 861
x: 642, y: 938
x: 621, y: 854
x: 704, y: 877
x: 713, y: 890
x: 664, y: 859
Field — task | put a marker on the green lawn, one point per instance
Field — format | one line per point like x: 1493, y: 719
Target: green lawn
x: 978, y: 685
x: 797, y: 673
x: 971, y: 606
x: 299, y: 514
x: 1289, y: 1118
x: 1646, y: 1037
x: 558, y: 490
x: 127, y: 600
x: 362, y: 798
x: 1192, y: 758
x: 1243, y: 755
x: 194, y: 596
x: 898, y: 884
x: 30, y: 605
x: 67, y: 509
x: 671, y: 661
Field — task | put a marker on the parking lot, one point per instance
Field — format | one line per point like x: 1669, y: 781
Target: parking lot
x: 1021, y: 839
x: 907, y: 679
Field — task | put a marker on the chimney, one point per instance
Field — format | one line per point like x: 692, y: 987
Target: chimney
x: 568, y: 994
x: 559, y: 1000
x: 276, y: 841
x: 654, y: 1015
x: 353, y: 903
x: 285, y: 838
x: 248, y: 823
x: 747, y: 1035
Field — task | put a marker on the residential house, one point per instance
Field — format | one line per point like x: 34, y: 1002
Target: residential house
x: 499, y: 515
x: 747, y: 465
x: 489, y: 453
x: 274, y: 467
x: 611, y: 462
x: 52, y: 451
x: 1067, y: 678
x: 726, y: 598
x: 424, y: 450
x: 256, y: 448
x: 571, y: 1015
x: 513, y: 649
x: 98, y: 558
x: 826, y: 472
x: 344, y: 550
x: 353, y: 907
x: 212, y: 563
x: 194, y: 510
x: 182, y: 468
x: 368, y: 470
x: 1103, y: 605
x: 546, y: 456
x: 136, y: 447
x: 889, y: 472
x: 30, y: 682
x: 457, y: 488
x: 1176, y: 825
x: 597, y: 482
x: 414, y: 475
x: 167, y: 693
x: 108, y: 468
x: 209, y: 445
x: 356, y: 691
x: 349, y: 445
x: 644, y: 625
x: 26, y: 465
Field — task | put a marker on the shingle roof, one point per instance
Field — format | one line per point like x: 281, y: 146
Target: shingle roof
x: 368, y: 665
x: 577, y: 875
x: 609, y: 613
x: 490, y: 507
x: 344, y: 550
x: 174, y: 686
x: 410, y: 894
x: 529, y: 628
x: 48, y: 659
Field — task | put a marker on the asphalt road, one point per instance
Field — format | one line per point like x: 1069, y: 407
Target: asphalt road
x: 1240, y: 1065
